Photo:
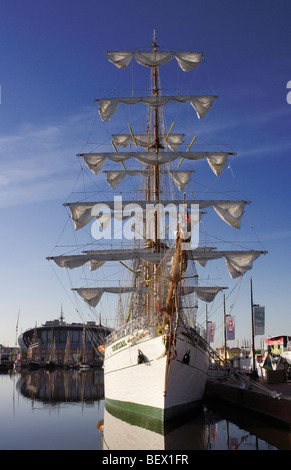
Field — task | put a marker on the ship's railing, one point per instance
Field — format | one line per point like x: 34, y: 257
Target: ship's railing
x: 139, y: 324
x: 127, y: 329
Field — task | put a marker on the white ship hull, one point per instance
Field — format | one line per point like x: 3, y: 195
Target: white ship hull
x: 160, y: 387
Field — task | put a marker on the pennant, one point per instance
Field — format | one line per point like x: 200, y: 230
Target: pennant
x: 267, y: 363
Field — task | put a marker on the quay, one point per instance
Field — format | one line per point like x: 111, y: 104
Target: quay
x: 270, y: 400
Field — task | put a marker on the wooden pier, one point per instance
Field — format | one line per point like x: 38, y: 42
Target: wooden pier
x: 272, y: 401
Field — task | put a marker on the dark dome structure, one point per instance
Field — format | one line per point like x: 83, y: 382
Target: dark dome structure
x: 80, y: 339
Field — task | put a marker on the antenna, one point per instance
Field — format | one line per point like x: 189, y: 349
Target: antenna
x: 154, y: 39
x: 62, y: 315
x: 17, y: 327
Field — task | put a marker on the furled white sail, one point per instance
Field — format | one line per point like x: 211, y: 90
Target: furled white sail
x: 181, y: 178
x: 229, y: 211
x: 217, y: 162
x: 237, y: 262
x: 207, y: 294
x: 96, y: 161
x: 109, y: 106
x: 115, y: 178
x: 92, y: 295
x: 97, y: 259
x: 173, y: 141
x: 186, y: 60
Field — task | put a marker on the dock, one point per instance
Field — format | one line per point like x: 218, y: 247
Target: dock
x: 270, y: 400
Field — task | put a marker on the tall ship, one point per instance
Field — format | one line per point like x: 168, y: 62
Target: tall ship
x: 156, y: 359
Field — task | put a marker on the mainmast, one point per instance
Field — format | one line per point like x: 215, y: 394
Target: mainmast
x: 157, y: 146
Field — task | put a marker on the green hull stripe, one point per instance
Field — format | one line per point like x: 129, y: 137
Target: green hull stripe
x: 147, y: 417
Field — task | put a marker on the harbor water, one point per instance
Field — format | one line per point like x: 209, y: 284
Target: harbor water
x: 65, y: 410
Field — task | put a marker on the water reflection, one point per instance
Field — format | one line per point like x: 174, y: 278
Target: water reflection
x: 177, y: 435
x: 212, y: 427
x: 62, y: 385
x: 255, y: 431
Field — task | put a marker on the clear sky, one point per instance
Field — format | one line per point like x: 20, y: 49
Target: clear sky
x: 52, y: 67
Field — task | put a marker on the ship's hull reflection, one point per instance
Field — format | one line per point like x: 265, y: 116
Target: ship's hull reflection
x: 123, y: 431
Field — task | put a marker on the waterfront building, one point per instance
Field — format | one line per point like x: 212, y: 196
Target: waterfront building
x: 59, y: 342
x: 8, y: 353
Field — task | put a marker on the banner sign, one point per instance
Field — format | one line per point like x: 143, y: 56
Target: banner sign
x: 210, y: 332
x: 277, y: 340
x: 259, y: 320
x: 230, y: 328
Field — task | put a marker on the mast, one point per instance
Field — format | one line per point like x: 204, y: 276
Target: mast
x: 224, y: 317
x: 206, y: 322
x: 157, y: 146
x: 16, y: 334
x: 84, y: 346
x: 252, y: 318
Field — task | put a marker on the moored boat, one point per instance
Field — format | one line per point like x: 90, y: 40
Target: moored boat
x: 157, y: 358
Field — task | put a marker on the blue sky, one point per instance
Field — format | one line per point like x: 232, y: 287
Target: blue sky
x: 52, y: 66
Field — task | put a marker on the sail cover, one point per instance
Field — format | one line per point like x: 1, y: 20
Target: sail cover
x: 186, y: 60
x: 109, y: 106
